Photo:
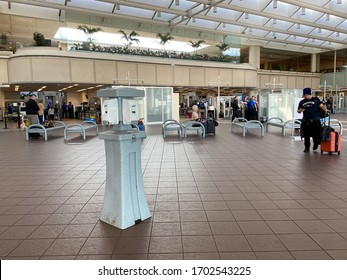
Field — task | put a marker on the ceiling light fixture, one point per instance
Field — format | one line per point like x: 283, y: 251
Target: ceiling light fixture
x: 117, y: 7
x: 337, y: 34
x: 246, y: 15
x: 303, y: 11
x: 298, y: 26
x: 319, y: 30
x: 339, y: 2
x: 177, y: 2
x: 327, y: 17
x: 158, y: 14
x: 274, y: 21
x: 224, y: 25
x: 214, y: 9
x: 194, y: 20
x: 274, y: 2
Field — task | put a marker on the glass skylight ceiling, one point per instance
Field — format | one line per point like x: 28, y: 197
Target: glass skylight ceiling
x: 310, y: 26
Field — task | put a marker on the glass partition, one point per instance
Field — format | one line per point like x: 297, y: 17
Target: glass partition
x: 278, y: 103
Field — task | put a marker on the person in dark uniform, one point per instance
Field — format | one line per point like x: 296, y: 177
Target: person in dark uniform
x: 32, y: 109
x: 70, y: 110
x: 310, y: 125
x: 236, y: 108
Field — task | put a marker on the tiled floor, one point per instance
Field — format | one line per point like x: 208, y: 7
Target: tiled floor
x: 222, y: 197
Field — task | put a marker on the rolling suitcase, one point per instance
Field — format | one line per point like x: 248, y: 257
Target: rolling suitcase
x: 330, y: 140
x: 333, y: 145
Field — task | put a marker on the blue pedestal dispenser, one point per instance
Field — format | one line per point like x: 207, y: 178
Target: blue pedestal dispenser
x: 125, y: 202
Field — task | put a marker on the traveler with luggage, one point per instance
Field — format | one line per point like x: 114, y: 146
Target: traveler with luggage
x: 311, y: 108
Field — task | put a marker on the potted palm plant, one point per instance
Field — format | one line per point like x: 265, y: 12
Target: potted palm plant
x: 196, y: 45
x: 40, y: 39
x: 164, y: 38
x: 89, y: 31
x: 129, y: 38
x: 223, y: 47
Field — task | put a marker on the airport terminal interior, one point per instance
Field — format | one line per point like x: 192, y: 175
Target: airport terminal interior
x: 235, y: 194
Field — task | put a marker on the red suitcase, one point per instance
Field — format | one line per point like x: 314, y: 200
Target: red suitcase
x: 332, y: 146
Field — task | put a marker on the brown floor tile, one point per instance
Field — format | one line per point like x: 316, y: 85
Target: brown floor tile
x: 198, y: 244
x: 166, y: 229
x: 296, y: 242
x: 68, y: 247
x: 6, y: 246
x: 315, y: 226
x: 254, y: 227
x: 167, y: 245
x: 131, y: 245
x: 329, y: 241
x: 201, y: 256
x: 279, y: 227
x: 76, y: 231
x: 311, y: 255
x: 97, y: 245
x: 267, y: 243
x: 232, y: 243
x: 274, y: 256
x: 17, y: 232
x: 32, y: 248
x: 238, y: 256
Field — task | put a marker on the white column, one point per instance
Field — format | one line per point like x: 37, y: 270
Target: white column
x: 314, y: 63
x: 254, y: 56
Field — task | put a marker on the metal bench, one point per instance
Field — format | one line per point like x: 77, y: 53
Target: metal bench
x: 172, y: 126
x: 246, y: 125
x: 189, y: 125
x: 39, y: 128
x: 81, y: 128
x: 278, y: 122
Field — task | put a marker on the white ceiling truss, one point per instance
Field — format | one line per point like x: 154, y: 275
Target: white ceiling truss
x: 309, y: 26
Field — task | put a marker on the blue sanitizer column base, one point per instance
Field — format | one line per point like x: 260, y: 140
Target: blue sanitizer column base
x: 125, y: 201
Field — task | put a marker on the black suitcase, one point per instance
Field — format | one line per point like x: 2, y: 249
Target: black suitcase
x: 211, y: 128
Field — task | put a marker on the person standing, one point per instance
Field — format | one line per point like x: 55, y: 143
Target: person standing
x: 236, y: 108
x: 310, y: 124
x: 64, y: 109
x: 70, y: 110
x: 41, y: 111
x: 252, y: 108
x: 32, y: 109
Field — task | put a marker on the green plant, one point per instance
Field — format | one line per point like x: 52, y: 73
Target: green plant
x: 164, y: 38
x: 130, y: 38
x: 196, y: 45
x: 89, y: 31
x: 4, y: 38
x: 39, y: 39
x: 223, y: 46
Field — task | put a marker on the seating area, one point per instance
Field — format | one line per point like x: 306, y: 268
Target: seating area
x: 278, y: 122
x: 183, y: 128
x: 247, y: 125
x: 38, y: 128
x: 80, y: 128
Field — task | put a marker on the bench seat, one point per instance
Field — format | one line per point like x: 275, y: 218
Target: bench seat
x: 278, y: 122
x: 246, y: 125
x: 81, y: 128
x: 190, y: 125
x: 172, y: 126
x: 39, y: 128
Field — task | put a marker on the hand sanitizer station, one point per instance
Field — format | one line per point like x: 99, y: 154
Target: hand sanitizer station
x: 125, y: 202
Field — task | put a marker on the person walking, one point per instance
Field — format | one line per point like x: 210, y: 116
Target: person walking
x: 310, y: 124
x: 41, y: 111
